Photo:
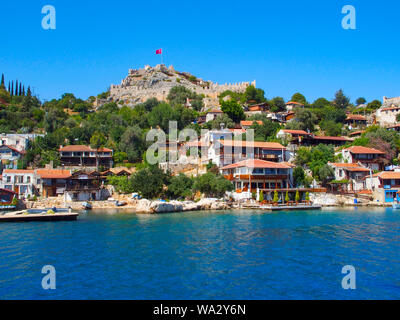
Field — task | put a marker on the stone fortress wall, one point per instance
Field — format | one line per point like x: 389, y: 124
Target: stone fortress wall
x: 149, y: 82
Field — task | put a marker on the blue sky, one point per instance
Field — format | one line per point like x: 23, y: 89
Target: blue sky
x: 287, y: 46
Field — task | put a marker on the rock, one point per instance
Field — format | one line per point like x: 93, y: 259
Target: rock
x: 164, y: 207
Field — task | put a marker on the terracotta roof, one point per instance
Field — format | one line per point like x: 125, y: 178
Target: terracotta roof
x: 294, y: 102
x: 330, y: 138
x: 250, y: 123
x: 238, y: 130
x: 361, y: 150
x: 390, y: 108
x: 53, y: 173
x: 18, y: 171
x: 255, y: 144
x: 350, y: 167
x: 214, y: 111
x: 356, y: 117
x: 389, y: 175
x: 395, y: 126
x: 297, y: 132
x: 257, y: 163
x: 356, y: 133
x: 82, y: 148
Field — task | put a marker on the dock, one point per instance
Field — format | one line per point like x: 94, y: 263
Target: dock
x: 283, y: 207
x: 38, y: 215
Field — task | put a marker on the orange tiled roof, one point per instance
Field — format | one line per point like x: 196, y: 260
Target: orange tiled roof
x: 250, y: 123
x: 53, y: 173
x: 350, y: 167
x: 18, y: 171
x: 360, y: 150
x: 356, y: 117
x: 82, y: 148
x: 257, y: 163
x: 294, y: 102
x: 296, y: 132
x: 255, y: 144
x: 388, y: 175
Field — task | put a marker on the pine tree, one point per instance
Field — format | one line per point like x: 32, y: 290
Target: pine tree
x: 12, y: 88
x: 23, y: 90
x: 9, y: 87
x: 2, y: 86
x: 16, y: 88
x: 20, y: 89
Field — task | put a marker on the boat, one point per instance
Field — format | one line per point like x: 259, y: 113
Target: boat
x: 53, y: 214
x: 120, y: 203
x: 87, y: 205
x: 396, y: 206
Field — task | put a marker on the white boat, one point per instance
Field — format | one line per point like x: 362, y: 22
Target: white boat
x: 396, y: 206
x: 87, y: 205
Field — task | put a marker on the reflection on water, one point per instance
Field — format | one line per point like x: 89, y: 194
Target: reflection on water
x: 204, y: 255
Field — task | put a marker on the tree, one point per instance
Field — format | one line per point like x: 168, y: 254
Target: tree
x: 321, y: 103
x: 307, y: 196
x: 287, y: 199
x: 277, y: 104
x: 216, y: 123
x: 298, y: 176
x: 341, y: 101
x: 297, y: 196
x: 331, y: 128
x: 212, y: 185
x: 261, y: 197
x: 298, y: 97
x: 374, y: 105
x: 149, y: 182
x: 306, y: 119
x: 2, y: 86
x: 97, y: 141
x: 233, y: 110
x: 180, y: 186
x: 161, y: 115
x: 180, y: 94
x: 276, y: 197
x: 254, y: 95
x: 121, y: 184
x: 326, y: 174
x: 360, y: 100
x: 132, y: 143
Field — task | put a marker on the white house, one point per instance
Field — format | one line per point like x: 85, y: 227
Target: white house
x: 353, y: 173
x: 23, y: 182
x: 367, y: 157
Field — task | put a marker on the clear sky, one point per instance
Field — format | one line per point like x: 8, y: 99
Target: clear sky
x: 286, y: 45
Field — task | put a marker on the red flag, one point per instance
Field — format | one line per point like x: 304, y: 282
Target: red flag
x: 159, y: 51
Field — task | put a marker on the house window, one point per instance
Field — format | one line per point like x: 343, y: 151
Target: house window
x: 8, y: 179
x: 28, y: 179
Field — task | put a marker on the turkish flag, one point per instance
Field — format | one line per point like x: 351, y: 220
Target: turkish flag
x: 159, y: 51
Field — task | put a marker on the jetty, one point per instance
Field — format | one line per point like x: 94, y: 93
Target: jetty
x: 39, y: 215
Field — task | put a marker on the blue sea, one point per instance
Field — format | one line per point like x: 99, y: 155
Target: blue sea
x: 205, y: 255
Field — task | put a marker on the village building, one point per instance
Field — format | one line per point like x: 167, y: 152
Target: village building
x: 245, y: 124
x: 291, y: 105
x: 356, y: 133
x: 292, y: 135
x: 85, y: 186
x: 255, y: 175
x: 260, y: 108
x: 394, y: 128
x: 355, y: 121
x: 9, y: 157
x: 85, y: 156
x: 350, y: 175
x: 367, y: 157
x: 51, y: 182
x: 385, y: 184
x: 22, y: 182
x: 224, y: 152
x: 213, y: 114
x: 18, y: 141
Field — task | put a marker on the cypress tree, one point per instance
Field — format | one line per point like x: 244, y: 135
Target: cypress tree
x: 9, y: 86
x: 2, y: 81
x: 16, y: 87
x: 12, y: 88
x: 20, y: 89
x: 23, y: 90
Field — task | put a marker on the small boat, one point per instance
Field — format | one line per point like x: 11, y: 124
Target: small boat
x: 120, y: 203
x: 396, y: 206
x: 87, y: 205
x: 53, y: 214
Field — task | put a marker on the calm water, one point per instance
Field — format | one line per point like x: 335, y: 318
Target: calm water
x: 203, y: 255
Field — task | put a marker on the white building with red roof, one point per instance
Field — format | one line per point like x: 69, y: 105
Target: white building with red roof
x: 253, y: 175
x: 353, y: 173
x: 367, y: 157
x: 385, y: 184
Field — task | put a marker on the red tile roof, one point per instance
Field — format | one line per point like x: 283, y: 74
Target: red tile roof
x: 350, y: 167
x: 294, y: 102
x: 330, y: 138
x: 388, y: 175
x: 7, y: 191
x: 255, y: 144
x: 53, y: 173
x: 12, y: 148
x: 297, y: 132
x: 250, y: 123
x: 82, y: 148
x: 257, y: 163
x: 18, y: 171
x: 356, y: 133
x: 362, y: 150
x: 214, y: 111
x: 356, y: 117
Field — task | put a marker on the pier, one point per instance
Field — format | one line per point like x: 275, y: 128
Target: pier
x: 38, y: 215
